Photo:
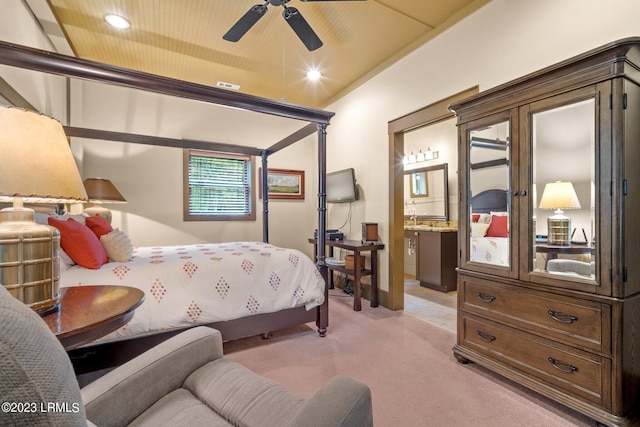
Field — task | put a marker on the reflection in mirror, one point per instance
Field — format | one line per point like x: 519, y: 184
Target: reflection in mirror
x: 419, y: 184
x: 489, y: 207
x: 564, y: 192
x: 426, y: 193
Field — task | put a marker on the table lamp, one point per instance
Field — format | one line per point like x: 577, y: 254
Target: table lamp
x: 559, y: 195
x: 36, y: 166
x: 99, y: 191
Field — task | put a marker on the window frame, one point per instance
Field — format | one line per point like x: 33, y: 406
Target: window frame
x: 187, y: 216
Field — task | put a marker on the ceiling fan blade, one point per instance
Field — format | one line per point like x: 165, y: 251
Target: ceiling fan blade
x: 309, y: 1
x: 302, y: 28
x: 245, y: 23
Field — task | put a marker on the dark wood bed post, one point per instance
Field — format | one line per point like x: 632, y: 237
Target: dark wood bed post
x: 265, y: 198
x: 323, y: 313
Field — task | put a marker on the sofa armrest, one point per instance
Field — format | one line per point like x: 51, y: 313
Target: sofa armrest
x: 124, y: 393
x: 342, y: 402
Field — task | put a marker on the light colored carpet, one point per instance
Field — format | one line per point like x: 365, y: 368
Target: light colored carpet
x: 407, y: 363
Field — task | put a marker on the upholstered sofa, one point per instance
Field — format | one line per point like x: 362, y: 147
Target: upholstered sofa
x: 184, y: 381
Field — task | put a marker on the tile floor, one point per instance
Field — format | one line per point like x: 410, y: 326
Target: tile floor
x: 435, y: 307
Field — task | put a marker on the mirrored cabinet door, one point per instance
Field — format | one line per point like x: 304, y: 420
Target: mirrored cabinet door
x: 563, y: 190
x: 563, y: 183
x: 489, y: 213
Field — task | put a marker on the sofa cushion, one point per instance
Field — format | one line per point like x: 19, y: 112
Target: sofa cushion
x: 35, y: 370
x: 179, y: 408
x: 237, y: 393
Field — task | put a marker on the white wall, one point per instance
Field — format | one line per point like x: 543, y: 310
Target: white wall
x: 502, y: 41
x: 47, y: 93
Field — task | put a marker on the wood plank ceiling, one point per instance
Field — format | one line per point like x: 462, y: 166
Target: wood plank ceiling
x: 183, y: 39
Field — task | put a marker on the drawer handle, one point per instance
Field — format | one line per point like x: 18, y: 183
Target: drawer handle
x: 485, y: 336
x: 485, y: 297
x: 562, y: 366
x: 562, y: 317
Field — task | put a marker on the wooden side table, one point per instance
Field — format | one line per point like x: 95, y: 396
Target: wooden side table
x: 357, y: 247
x: 87, y: 313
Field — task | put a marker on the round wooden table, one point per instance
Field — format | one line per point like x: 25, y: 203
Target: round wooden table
x: 552, y: 251
x: 87, y: 313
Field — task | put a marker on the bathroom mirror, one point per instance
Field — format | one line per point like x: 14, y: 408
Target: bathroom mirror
x: 426, y: 193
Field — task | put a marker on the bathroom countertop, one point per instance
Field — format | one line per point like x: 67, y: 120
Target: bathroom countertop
x: 421, y: 227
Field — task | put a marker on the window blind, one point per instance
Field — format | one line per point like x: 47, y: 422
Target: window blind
x: 219, y: 184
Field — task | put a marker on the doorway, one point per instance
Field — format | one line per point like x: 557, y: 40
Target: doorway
x: 429, y: 115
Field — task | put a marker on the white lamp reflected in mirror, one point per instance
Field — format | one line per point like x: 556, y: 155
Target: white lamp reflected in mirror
x: 559, y: 195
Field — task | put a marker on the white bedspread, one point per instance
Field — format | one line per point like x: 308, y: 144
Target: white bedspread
x: 196, y: 284
x: 490, y: 250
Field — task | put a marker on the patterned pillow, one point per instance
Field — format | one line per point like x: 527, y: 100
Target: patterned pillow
x: 117, y: 245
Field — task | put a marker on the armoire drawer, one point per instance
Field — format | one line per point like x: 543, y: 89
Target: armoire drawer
x: 570, y: 320
x: 576, y: 372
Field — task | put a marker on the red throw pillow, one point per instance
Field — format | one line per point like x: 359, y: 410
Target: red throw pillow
x: 499, y: 226
x: 79, y: 242
x: 98, y: 224
x: 475, y: 217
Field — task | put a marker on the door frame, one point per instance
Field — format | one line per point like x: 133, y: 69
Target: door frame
x: 429, y: 115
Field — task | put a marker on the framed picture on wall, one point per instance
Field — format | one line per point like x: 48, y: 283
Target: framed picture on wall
x: 283, y: 184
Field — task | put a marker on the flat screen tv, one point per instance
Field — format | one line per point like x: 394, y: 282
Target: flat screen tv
x: 341, y: 186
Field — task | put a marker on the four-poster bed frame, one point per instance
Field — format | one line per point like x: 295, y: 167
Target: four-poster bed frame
x: 114, y: 353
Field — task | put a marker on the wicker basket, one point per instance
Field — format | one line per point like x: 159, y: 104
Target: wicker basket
x: 349, y: 262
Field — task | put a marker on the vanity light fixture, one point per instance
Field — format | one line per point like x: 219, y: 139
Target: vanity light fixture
x: 117, y: 21
x: 421, y: 157
x: 430, y: 155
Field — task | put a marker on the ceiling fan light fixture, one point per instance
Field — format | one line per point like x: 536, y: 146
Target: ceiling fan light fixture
x: 293, y: 17
x: 117, y: 21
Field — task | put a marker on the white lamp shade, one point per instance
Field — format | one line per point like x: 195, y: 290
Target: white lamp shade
x: 36, y: 162
x: 559, y: 195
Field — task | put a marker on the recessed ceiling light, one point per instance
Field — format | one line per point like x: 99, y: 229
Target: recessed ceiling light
x: 314, y: 75
x: 117, y: 21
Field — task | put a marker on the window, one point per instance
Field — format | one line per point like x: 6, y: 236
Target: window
x: 218, y: 187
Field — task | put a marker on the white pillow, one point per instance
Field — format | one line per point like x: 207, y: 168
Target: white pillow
x: 65, y: 260
x: 117, y: 245
x: 479, y: 229
x: 484, y: 218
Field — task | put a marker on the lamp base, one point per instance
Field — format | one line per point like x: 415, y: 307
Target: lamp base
x: 30, y: 260
x: 98, y: 209
x: 559, y: 230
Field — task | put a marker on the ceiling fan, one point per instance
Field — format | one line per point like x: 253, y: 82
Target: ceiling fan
x: 293, y: 17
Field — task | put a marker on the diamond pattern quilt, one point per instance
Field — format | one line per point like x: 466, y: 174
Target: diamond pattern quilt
x: 204, y: 283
